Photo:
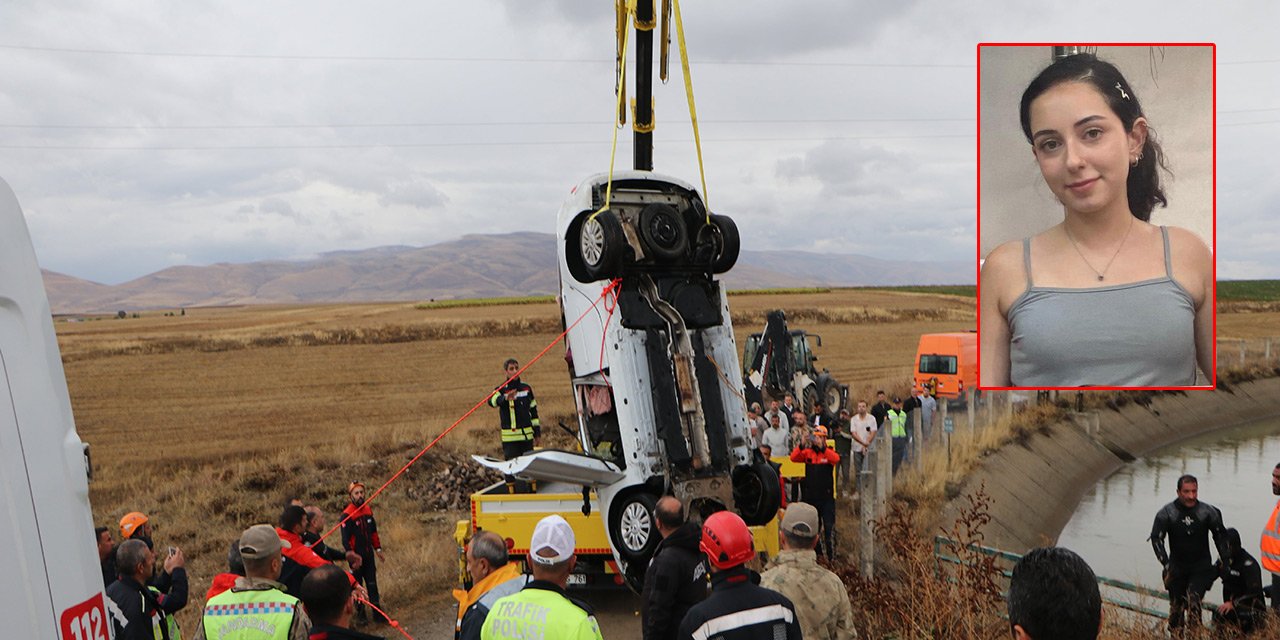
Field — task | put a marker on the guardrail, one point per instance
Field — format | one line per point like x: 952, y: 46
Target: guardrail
x: 941, y: 545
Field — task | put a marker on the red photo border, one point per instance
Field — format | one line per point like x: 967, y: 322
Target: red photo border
x: 1213, y: 48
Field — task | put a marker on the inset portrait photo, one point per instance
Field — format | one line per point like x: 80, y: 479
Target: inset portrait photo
x: 1096, y: 216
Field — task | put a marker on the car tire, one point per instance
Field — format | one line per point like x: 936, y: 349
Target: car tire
x: 595, y: 245
x: 729, y: 245
x: 663, y: 231
x: 756, y: 493
x: 632, y: 526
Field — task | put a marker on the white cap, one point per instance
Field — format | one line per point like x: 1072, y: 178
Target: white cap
x: 553, y: 533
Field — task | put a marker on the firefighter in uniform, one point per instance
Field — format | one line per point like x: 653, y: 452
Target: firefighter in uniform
x: 1271, y: 543
x: 518, y: 414
x: 738, y: 607
x: 256, y: 608
x: 542, y: 609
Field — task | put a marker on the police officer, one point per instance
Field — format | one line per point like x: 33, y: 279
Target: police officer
x: 542, y: 609
x: 1188, y: 567
x: 736, y: 589
x: 256, y: 608
x: 518, y: 415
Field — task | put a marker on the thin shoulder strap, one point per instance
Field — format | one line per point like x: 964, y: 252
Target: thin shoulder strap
x: 1026, y: 258
x: 1168, y: 263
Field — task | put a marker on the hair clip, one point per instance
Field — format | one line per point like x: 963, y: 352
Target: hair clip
x: 1121, y: 90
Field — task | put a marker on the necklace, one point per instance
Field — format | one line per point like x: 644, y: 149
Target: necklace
x: 1101, y: 274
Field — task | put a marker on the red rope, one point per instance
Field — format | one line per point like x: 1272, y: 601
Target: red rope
x: 394, y: 624
x: 610, y: 288
x: 604, y: 333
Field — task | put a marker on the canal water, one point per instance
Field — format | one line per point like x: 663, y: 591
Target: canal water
x: 1110, y: 527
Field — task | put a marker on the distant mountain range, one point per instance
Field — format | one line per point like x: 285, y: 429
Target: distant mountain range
x: 474, y: 266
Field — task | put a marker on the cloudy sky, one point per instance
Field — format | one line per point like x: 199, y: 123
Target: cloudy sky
x: 147, y: 134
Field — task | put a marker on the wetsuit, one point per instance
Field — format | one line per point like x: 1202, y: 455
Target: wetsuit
x: 1188, y: 566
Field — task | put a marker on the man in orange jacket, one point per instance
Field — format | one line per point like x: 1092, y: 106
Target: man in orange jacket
x: 819, y: 488
x: 1271, y: 543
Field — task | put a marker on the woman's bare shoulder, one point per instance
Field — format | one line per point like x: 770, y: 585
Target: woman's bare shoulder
x: 1186, y: 241
x: 1004, y: 262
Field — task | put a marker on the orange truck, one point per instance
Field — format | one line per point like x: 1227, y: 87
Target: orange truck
x: 947, y: 362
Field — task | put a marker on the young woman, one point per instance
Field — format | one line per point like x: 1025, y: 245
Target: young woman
x: 1103, y: 298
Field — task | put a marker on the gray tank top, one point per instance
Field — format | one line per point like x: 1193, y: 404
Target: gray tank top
x: 1140, y: 334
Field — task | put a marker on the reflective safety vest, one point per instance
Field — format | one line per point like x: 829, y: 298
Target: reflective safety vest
x: 253, y: 614
x: 538, y: 613
x: 159, y: 618
x: 1271, y: 542
x: 897, y: 420
x: 519, y: 416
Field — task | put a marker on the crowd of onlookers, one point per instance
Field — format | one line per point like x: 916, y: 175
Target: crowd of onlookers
x: 281, y: 581
x: 698, y: 586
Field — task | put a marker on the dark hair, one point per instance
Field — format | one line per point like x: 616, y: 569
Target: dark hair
x: 97, y: 533
x: 1143, y: 185
x: 235, y: 562
x: 509, y: 362
x: 293, y: 516
x: 324, y: 591
x: 1053, y: 595
x: 1187, y: 478
x: 670, y: 518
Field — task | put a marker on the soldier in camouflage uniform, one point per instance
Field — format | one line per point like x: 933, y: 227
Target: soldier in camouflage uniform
x: 822, y: 604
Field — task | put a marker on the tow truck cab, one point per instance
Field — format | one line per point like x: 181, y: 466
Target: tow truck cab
x: 52, y: 586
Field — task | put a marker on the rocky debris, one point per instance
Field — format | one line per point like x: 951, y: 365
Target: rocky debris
x: 449, y: 487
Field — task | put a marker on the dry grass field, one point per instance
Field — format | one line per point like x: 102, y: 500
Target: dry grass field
x: 209, y: 421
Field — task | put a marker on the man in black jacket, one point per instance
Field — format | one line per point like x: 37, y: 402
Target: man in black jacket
x: 518, y: 416
x: 736, y: 589
x: 1188, y: 567
x: 677, y: 577
x: 136, y: 609
x: 311, y: 536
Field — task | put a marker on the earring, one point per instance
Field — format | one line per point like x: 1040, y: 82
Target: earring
x: 1134, y: 162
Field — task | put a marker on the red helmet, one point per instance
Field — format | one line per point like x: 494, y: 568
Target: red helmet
x: 726, y: 540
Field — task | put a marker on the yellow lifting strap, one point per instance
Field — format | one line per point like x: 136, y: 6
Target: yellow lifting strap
x: 618, y: 108
x: 693, y: 112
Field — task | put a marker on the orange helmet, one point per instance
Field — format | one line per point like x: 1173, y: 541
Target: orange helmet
x: 820, y: 431
x: 352, y: 487
x: 726, y: 540
x: 131, y: 522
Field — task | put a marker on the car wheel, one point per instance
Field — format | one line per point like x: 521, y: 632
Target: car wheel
x: 597, y: 245
x: 663, y: 231
x: 808, y: 397
x: 756, y: 493
x: 727, y: 249
x: 632, y: 526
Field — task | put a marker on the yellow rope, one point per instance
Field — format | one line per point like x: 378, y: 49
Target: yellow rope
x: 693, y: 112
x: 617, y: 107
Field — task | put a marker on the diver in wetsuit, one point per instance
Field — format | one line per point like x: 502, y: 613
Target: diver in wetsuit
x: 1188, y: 567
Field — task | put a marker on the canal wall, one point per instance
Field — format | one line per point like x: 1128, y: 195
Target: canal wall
x: 1035, y: 485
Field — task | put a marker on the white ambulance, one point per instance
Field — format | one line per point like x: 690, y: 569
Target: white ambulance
x: 50, y: 582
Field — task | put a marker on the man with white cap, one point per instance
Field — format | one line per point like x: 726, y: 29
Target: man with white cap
x: 256, y: 607
x: 542, y: 609
x: 820, y: 598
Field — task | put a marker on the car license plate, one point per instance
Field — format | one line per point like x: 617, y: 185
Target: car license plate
x: 577, y: 579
